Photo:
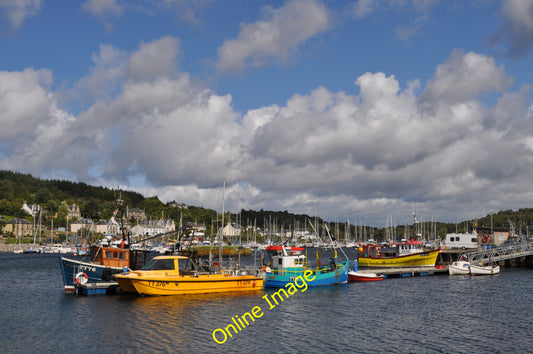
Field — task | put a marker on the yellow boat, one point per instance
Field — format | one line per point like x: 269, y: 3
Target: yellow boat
x: 404, y: 254
x: 164, y: 277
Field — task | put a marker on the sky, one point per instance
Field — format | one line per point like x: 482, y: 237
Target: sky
x: 361, y: 111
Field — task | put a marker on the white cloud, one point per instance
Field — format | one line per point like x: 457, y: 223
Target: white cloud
x: 105, y: 76
x: 362, y: 8
x: 103, y: 7
x: 154, y: 60
x: 18, y: 10
x: 275, y: 37
x: 189, y: 11
x: 40, y: 152
x: 326, y: 153
x: 104, y: 10
x: 450, y: 84
x: 517, y: 26
x: 23, y: 102
x: 420, y: 8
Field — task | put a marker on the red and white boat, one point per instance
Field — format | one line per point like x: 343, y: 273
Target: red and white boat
x: 292, y: 251
x: 355, y: 276
x: 359, y: 276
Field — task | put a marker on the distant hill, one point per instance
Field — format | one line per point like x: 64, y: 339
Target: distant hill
x: 98, y: 202
x: 94, y: 201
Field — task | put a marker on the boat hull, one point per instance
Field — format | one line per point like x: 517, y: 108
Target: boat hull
x: 459, y: 268
x: 363, y: 277
x: 321, y: 277
x: 484, y: 270
x: 183, y: 285
x: 95, y: 273
x: 422, y: 259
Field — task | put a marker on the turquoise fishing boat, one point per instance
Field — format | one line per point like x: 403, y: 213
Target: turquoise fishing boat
x: 289, y: 262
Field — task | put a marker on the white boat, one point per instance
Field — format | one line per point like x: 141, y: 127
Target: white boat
x: 484, y: 270
x: 459, y: 268
x: 59, y: 248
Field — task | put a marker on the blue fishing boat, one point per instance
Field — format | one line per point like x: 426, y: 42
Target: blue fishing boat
x: 104, y: 261
x: 289, y: 262
x: 100, y: 267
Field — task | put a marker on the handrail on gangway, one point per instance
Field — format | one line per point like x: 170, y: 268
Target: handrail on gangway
x: 498, y: 254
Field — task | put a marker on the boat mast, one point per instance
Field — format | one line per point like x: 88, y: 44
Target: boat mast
x: 222, y: 228
x: 122, y: 228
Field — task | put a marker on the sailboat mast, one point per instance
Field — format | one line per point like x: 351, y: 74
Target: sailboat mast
x: 222, y: 228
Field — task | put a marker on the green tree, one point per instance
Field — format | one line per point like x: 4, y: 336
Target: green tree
x: 91, y: 210
x: 62, y: 213
x: 5, y: 206
x: 43, y: 196
x: 153, y: 207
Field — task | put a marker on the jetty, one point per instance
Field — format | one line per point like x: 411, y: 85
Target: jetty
x: 406, y: 271
x: 513, y: 254
x: 101, y: 288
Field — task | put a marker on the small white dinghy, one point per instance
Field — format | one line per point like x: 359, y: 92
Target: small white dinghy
x: 459, y: 268
x: 484, y: 270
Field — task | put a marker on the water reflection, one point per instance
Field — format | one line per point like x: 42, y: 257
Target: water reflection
x: 422, y: 314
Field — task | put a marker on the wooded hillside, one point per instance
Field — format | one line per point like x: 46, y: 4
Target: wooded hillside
x: 98, y: 202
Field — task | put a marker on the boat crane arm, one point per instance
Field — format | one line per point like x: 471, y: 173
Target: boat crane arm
x: 331, y: 239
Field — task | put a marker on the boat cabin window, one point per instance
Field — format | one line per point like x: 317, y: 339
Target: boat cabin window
x: 279, y: 261
x: 160, y: 264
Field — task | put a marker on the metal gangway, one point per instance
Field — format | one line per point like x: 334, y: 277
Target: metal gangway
x: 517, y: 250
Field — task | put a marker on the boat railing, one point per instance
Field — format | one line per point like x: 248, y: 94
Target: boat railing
x: 497, y: 254
x: 301, y: 270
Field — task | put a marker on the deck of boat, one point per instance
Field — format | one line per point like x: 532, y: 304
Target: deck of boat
x: 101, y: 288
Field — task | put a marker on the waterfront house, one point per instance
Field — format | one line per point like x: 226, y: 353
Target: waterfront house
x: 232, y: 231
x: 85, y: 224
x: 33, y: 210
x: 73, y: 212
x: 148, y: 228
x: 136, y: 213
x: 107, y: 227
x: 18, y: 227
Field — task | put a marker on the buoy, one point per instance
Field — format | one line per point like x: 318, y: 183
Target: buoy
x: 81, y: 278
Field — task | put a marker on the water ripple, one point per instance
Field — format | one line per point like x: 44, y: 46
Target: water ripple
x: 431, y: 314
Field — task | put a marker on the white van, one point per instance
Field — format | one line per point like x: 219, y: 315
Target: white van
x: 463, y: 241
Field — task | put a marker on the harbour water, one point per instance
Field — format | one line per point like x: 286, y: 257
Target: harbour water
x: 430, y: 314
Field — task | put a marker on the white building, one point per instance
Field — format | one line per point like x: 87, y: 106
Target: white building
x: 107, y: 227
x: 82, y: 223
x: 148, y: 228
x: 33, y: 210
